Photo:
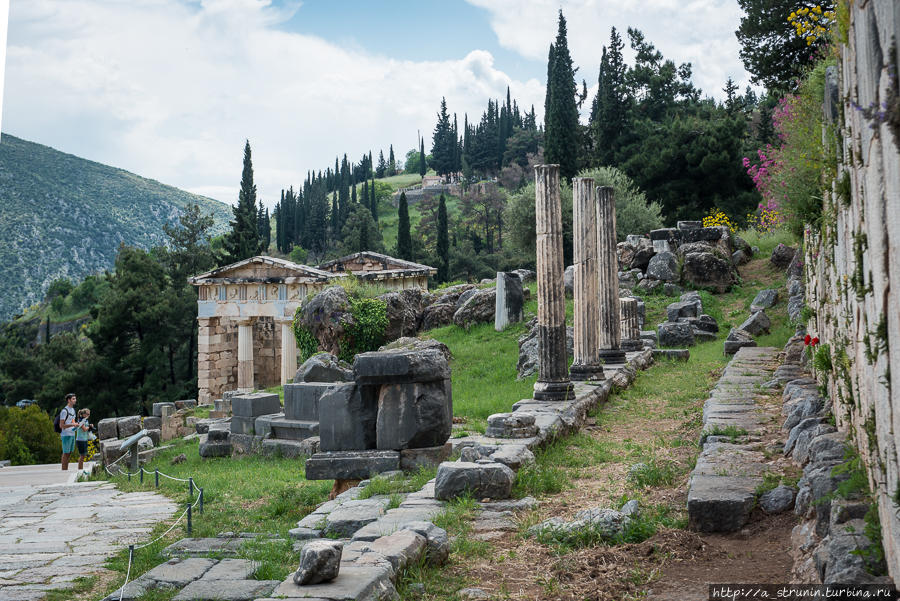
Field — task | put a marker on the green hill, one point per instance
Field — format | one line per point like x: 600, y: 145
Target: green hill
x: 64, y: 216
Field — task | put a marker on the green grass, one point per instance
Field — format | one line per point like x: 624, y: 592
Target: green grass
x: 263, y: 495
x: 379, y: 485
x: 767, y: 242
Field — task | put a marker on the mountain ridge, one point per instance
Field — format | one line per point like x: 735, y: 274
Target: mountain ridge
x: 65, y: 216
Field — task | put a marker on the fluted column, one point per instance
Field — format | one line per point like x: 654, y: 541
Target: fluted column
x: 288, y: 351
x: 553, y: 382
x: 587, y: 365
x: 608, y: 267
x: 245, y: 355
x: 631, y: 330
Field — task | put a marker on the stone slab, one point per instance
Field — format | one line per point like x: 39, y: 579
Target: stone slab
x: 255, y: 404
x: 230, y: 590
x: 347, y: 418
x: 353, y: 582
x: 197, y: 547
x: 383, y: 367
x: 351, y: 465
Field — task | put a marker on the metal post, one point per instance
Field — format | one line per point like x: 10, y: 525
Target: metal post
x: 142, y: 475
x: 129, y: 475
x: 191, y: 487
x: 133, y: 460
x: 157, y: 478
x: 130, y: 554
x: 189, y: 519
x: 201, y: 500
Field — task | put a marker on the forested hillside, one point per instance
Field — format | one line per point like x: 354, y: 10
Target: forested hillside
x: 64, y: 216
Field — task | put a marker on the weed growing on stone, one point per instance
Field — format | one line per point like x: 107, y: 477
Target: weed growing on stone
x: 380, y: 485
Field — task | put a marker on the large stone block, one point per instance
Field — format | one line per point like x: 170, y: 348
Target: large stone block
x: 347, y: 416
x: 158, y: 408
x: 320, y: 561
x: 675, y: 334
x: 323, y: 367
x: 491, y: 480
x: 152, y: 423
x: 351, y: 465
x: 414, y: 415
x: 701, y: 234
x: 412, y: 459
x: 301, y: 401
x: 291, y: 429
x: 243, y: 425
x: 106, y: 428
x: 128, y: 426
x: 390, y: 367
x: 255, y: 404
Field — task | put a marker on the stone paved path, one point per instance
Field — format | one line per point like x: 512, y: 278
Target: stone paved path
x: 52, y: 534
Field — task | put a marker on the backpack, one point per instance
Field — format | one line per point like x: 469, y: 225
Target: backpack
x: 55, y: 418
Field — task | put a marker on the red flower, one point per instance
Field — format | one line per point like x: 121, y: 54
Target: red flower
x: 807, y: 339
x: 815, y: 341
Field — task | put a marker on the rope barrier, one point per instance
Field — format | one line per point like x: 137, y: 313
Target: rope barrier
x: 186, y: 513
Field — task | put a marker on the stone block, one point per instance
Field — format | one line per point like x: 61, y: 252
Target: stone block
x: 675, y: 334
x: 701, y: 234
x: 351, y: 516
x: 414, y: 415
x: 412, y: 459
x: 674, y: 354
x: 323, y: 367
x: 218, y: 435
x: 669, y: 234
x: 320, y: 561
x: 736, y: 340
x: 511, y: 425
x: 492, y: 480
x: 509, y: 299
x: 243, y: 425
x: 255, y: 404
x: 347, y: 417
x: 289, y: 449
x: 301, y: 401
x: 110, y: 450
x: 106, y: 428
x: 152, y: 423
x: 390, y: 367
x: 689, y: 225
x: 681, y: 309
x: 289, y: 429
x: 663, y: 266
x: 351, y: 465
x: 215, y: 449
x: 158, y: 408
x: 756, y: 324
x: 128, y: 426
x: 155, y: 435
x: 245, y: 443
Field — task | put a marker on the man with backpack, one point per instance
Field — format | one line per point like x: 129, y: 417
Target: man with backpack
x: 66, y: 426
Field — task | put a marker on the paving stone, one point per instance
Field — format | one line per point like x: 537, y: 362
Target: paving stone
x: 177, y: 573
x: 347, y: 519
x: 204, y: 546
x: 232, y: 569
x: 353, y: 582
x: 234, y: 590
x: 397, y: 519
x: 401, y: 548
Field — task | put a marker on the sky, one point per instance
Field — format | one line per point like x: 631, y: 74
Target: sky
x: 171, y: 89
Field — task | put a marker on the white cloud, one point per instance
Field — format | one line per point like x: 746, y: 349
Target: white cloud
x: 170, y: 89
x: 697, y: 31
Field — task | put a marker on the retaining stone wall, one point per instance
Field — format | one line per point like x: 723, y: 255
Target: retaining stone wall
x: 851, y: 261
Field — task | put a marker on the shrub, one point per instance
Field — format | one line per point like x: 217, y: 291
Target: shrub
x: 634, y: 213
x: 369, y: 324
x: 27, y: 436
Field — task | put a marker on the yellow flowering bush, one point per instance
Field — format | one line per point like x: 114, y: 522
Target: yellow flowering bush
x: 765, y: 220
x: 811, y: 23
x: 717, y: 217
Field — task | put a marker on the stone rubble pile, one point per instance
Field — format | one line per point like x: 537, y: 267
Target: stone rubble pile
x: 686, y: 324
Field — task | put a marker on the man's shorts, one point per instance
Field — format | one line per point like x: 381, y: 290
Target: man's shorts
x: 68, y: 443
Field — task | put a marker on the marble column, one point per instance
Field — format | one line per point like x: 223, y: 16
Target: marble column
x: 245, y: 355
x: 553, y: 382
x: 608, y: 268
x: 631, y: 330
x: 587, y: 365
x: 288, y: 350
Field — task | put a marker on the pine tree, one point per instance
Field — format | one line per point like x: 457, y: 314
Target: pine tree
x: 392, y: 163
x: 561, y: 138
x: 404, y: 239
x: 443, y: 142
x: 730, y: 89
x: 443, y: 242
x: 382, y: 166
x: 243, y: 241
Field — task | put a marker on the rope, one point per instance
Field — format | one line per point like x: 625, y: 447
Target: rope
x: 161, y: 536
x: 127, y: 574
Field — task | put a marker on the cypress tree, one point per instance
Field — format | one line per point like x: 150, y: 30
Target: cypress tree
x: 373, y: 203
x: 353, y: 193
x: 443, y: 242
x: 404, y: 239
x: 392, y: 163
x: 243, y: 241
x: 561, y: 111
x: 335, y: 218
x: 422, y: 164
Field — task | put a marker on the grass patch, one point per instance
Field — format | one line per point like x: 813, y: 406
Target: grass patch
x: 654, y: 472
x: 731, y: 432
x: 379, y: 485
x: 636, y: 530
